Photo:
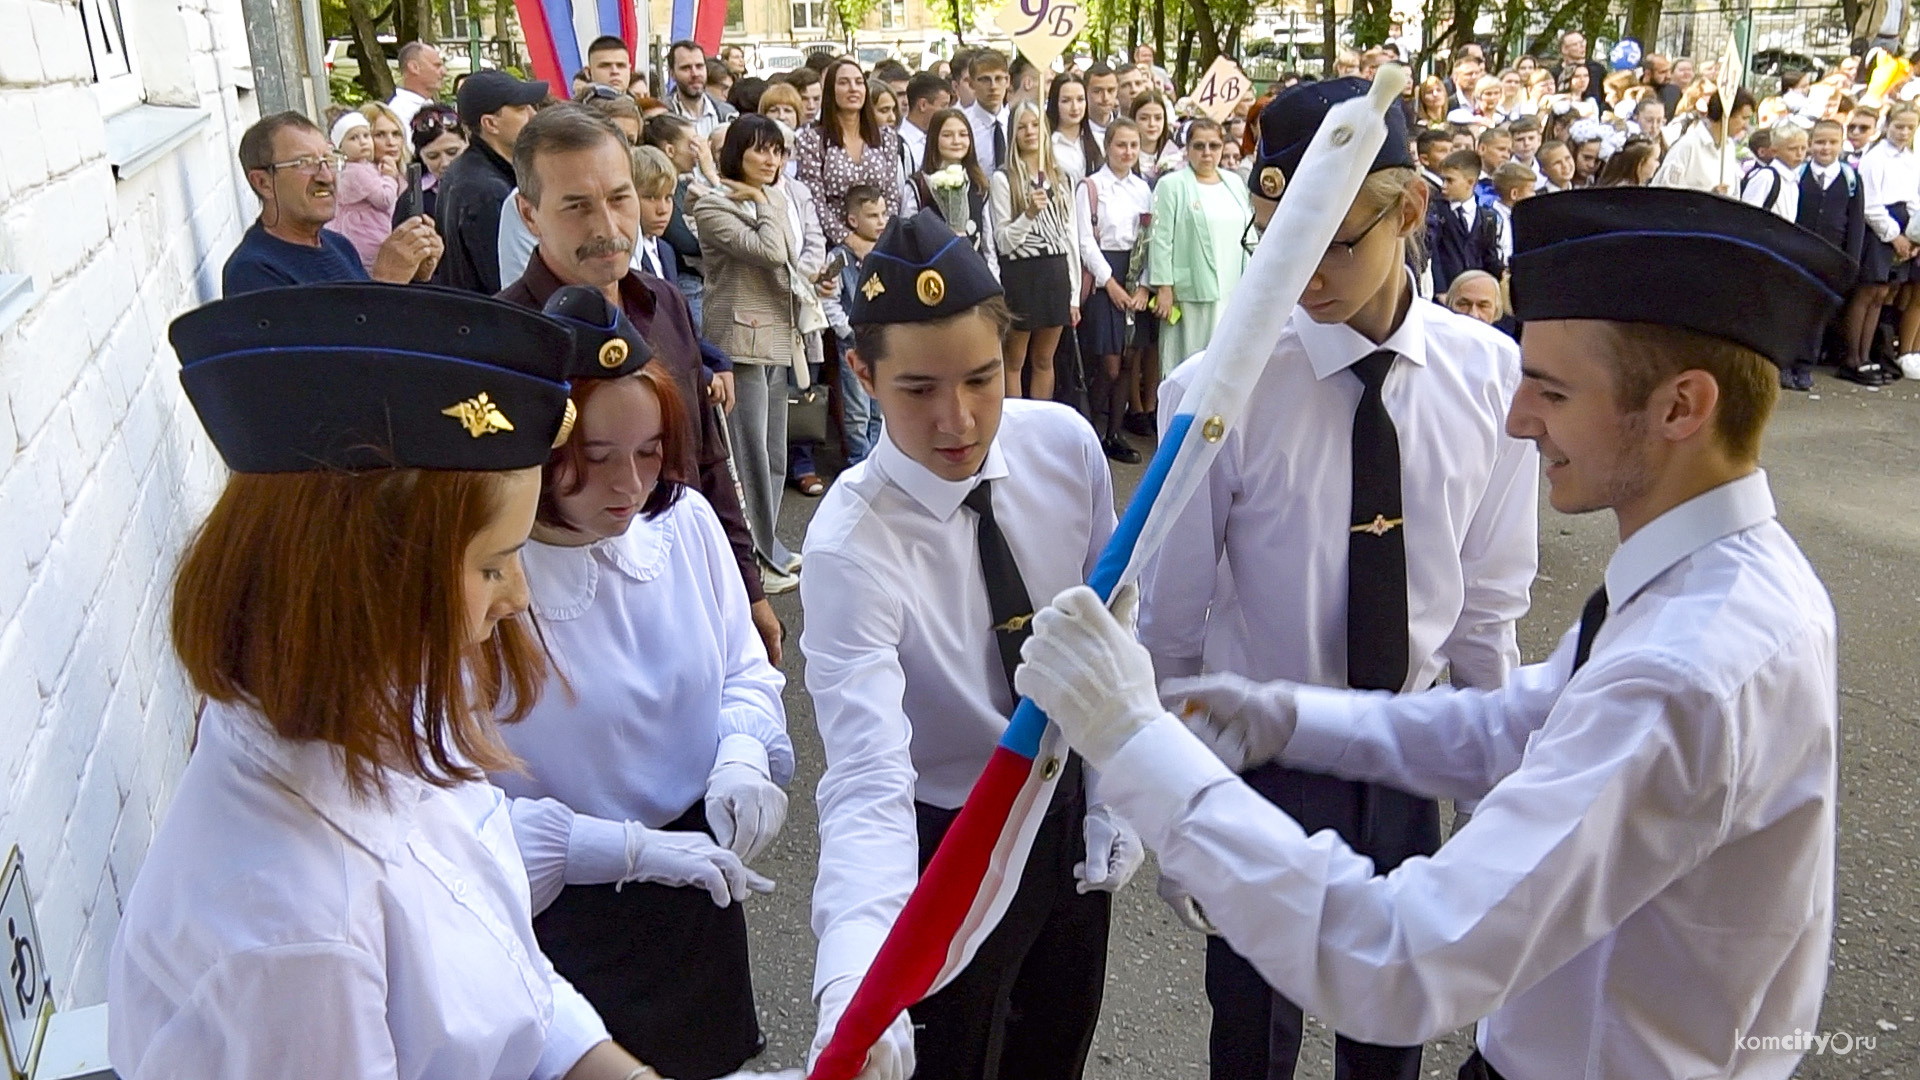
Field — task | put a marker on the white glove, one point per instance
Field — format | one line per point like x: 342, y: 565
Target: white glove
x: 890, y: 1059
x: 1114, y: 852
x: 689, y: 858
x: 745, y: 808
x: 1244, y: 723
x: 1085, y: 670
x: 1185, y: 907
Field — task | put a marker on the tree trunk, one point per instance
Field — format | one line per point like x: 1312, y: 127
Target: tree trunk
x: 959, y: 24
x: 1160, y: 30
x: 1209, y: 34
x: 1546, y: 42
x: 1184, y: 27
x: 375, y: 77
x: 1643, y: 22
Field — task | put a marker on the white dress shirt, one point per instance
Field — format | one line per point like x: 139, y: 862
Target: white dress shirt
x: 1648, y: 881
x: 1120, y: 202
x: 902, y: 662
x: 1889, y: 177
x: 658, y: 673
x: 406, y: 105
x: 982, y: 122
x: 1276, y: 505
x: 913, y: 153
x: 1786, y: 200
x: 1694, y: 160
x: 283, y: 926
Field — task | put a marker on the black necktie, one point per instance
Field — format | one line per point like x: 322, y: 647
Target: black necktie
x: 1007, y: 597
x: 1376, y: 541
x: 999, y: 144
x: 1592, y: 618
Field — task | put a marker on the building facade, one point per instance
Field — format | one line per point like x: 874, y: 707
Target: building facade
x: 120, y: 197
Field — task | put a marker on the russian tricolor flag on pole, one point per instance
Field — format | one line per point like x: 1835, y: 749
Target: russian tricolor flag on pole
x: 973, y: 875
x: 559, y: 31
x: 701, y: 21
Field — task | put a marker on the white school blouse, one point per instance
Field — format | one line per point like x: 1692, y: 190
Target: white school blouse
x: 1108, y: 218
x: 658, y: 674
x: 1889, y: 177
x: 282, y: 926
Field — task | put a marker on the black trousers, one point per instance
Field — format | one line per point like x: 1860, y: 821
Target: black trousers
x: 1256, y: 1030
x: 1476, y: 1068
x: 1026, y: 1007
x: 666, y: 968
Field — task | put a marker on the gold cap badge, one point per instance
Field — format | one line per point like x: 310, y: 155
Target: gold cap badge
x: 873, y: 287
x: 613, y: 353
x: 931, y: 287
x: 566, y: 425
x: 1272, y: 181
x: 479, y: 415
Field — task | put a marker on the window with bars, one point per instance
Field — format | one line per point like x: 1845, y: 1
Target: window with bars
x: 453, y: 20
x: 893, y: 14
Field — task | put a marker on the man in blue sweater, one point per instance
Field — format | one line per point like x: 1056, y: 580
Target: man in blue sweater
x: 292, y: 168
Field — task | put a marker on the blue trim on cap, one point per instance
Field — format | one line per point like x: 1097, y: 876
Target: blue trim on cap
x: 1668, y: 234
x: 366, y: 349
x: 931, y: 259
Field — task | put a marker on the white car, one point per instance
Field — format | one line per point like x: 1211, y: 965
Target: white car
x: 771, y: 60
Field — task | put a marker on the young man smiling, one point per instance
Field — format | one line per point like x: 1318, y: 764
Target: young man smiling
x: 923, y: 566
x: 1651, y: 866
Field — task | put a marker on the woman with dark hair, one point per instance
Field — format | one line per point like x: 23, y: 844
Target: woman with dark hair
x: 1632, y: 165
x: 651, y: 768
x: 750, y: 241
x: 884, y: 104
x: 1159, y: 152
x: 847, y: 146
x: 746, y: 93
x: 1075, y: 149
x: 437, y: 139
x: 336, y: 891
x: 950, y: 146
x: 1112, y: 212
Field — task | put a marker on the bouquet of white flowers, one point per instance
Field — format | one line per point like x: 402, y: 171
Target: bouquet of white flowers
x: 949, y: 187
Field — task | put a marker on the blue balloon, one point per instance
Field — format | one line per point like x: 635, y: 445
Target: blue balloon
x: 1625, y: 56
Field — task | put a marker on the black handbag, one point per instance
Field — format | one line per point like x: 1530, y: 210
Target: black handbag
x: 807, y: 415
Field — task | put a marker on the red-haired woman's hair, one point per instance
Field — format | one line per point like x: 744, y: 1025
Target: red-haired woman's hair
x: 570, y: 457
x: 333, y: 603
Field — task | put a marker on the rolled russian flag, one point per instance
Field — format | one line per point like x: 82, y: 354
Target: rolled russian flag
x: 701, y: 21
x: 559, y: 31
x: 976, y: 869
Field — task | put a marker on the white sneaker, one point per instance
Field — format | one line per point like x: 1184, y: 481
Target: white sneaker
x: 1910, y: 365
x: 775, y: 582
x: 793, y: 563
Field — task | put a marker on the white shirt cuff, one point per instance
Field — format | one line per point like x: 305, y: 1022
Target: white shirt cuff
x: 846, y: 950
x: 1324, y: 728
x: 576, y: 1029
x: 596, y: 851
x: 744, y: 749
x: 1155, y: 777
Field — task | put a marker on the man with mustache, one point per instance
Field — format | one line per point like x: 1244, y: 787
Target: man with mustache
x: 292, y: 168
x: 576, y: 195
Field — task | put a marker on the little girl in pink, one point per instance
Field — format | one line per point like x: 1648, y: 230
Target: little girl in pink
x: 365, y: 193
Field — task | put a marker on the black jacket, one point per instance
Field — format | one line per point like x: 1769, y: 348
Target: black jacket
x: 472, y: 190
x: 1837, y: 213
x: 1453, y: 249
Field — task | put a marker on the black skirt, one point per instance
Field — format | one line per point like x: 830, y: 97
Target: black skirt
x: 1877, y: 265
x: 1103, y: 326
x: 1038, y: 291
x: 664, y: 966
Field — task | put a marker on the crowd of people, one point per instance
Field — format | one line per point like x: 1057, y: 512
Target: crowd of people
x: 976, y: 287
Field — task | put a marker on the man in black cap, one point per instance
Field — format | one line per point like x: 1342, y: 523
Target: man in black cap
x: 494, y: 106
x: 923, y: 566
x: 1646, y: 888
x: 1376, y: 525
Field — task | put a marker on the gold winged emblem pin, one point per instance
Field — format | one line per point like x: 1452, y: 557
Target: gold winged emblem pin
x: 1381, y: 525
x: 479, y: 415
x: 1015, y: 624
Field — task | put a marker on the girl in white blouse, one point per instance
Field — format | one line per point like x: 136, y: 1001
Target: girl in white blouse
x: 1111, y: 209
x: 335, y: 893
x: 1039, y: 255
x: 1890, y: 179
x: 653, y: 763
x: 1075, y: 149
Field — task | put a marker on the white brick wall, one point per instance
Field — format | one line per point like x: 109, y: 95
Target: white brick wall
x: 103, y: 469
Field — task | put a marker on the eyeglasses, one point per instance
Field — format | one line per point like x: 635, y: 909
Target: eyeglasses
x: 599, y: 92
x: 1345, y: 247
x: 1206, y: 147
x: 437, y: 120
x: 1859, y: 127
x: 310, y: 164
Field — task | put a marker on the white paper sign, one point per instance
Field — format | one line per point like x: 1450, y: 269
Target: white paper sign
x: 27, y: 987
x: 1221, y: 89
x: 1042, y: 29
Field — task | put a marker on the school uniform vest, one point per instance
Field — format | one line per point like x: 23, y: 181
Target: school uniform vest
x: 1836, y: 213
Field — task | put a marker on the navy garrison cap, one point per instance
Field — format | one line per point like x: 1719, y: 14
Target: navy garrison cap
x: 605, y: 343
x: 920, y: 271
x: 1288, y: 124
x: 367, y: 376
x: 1675, y: 257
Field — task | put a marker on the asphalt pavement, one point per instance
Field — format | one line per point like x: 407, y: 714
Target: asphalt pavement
x: 1845, y: 468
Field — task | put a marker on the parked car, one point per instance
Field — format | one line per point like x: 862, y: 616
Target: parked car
x: 771, y: 60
